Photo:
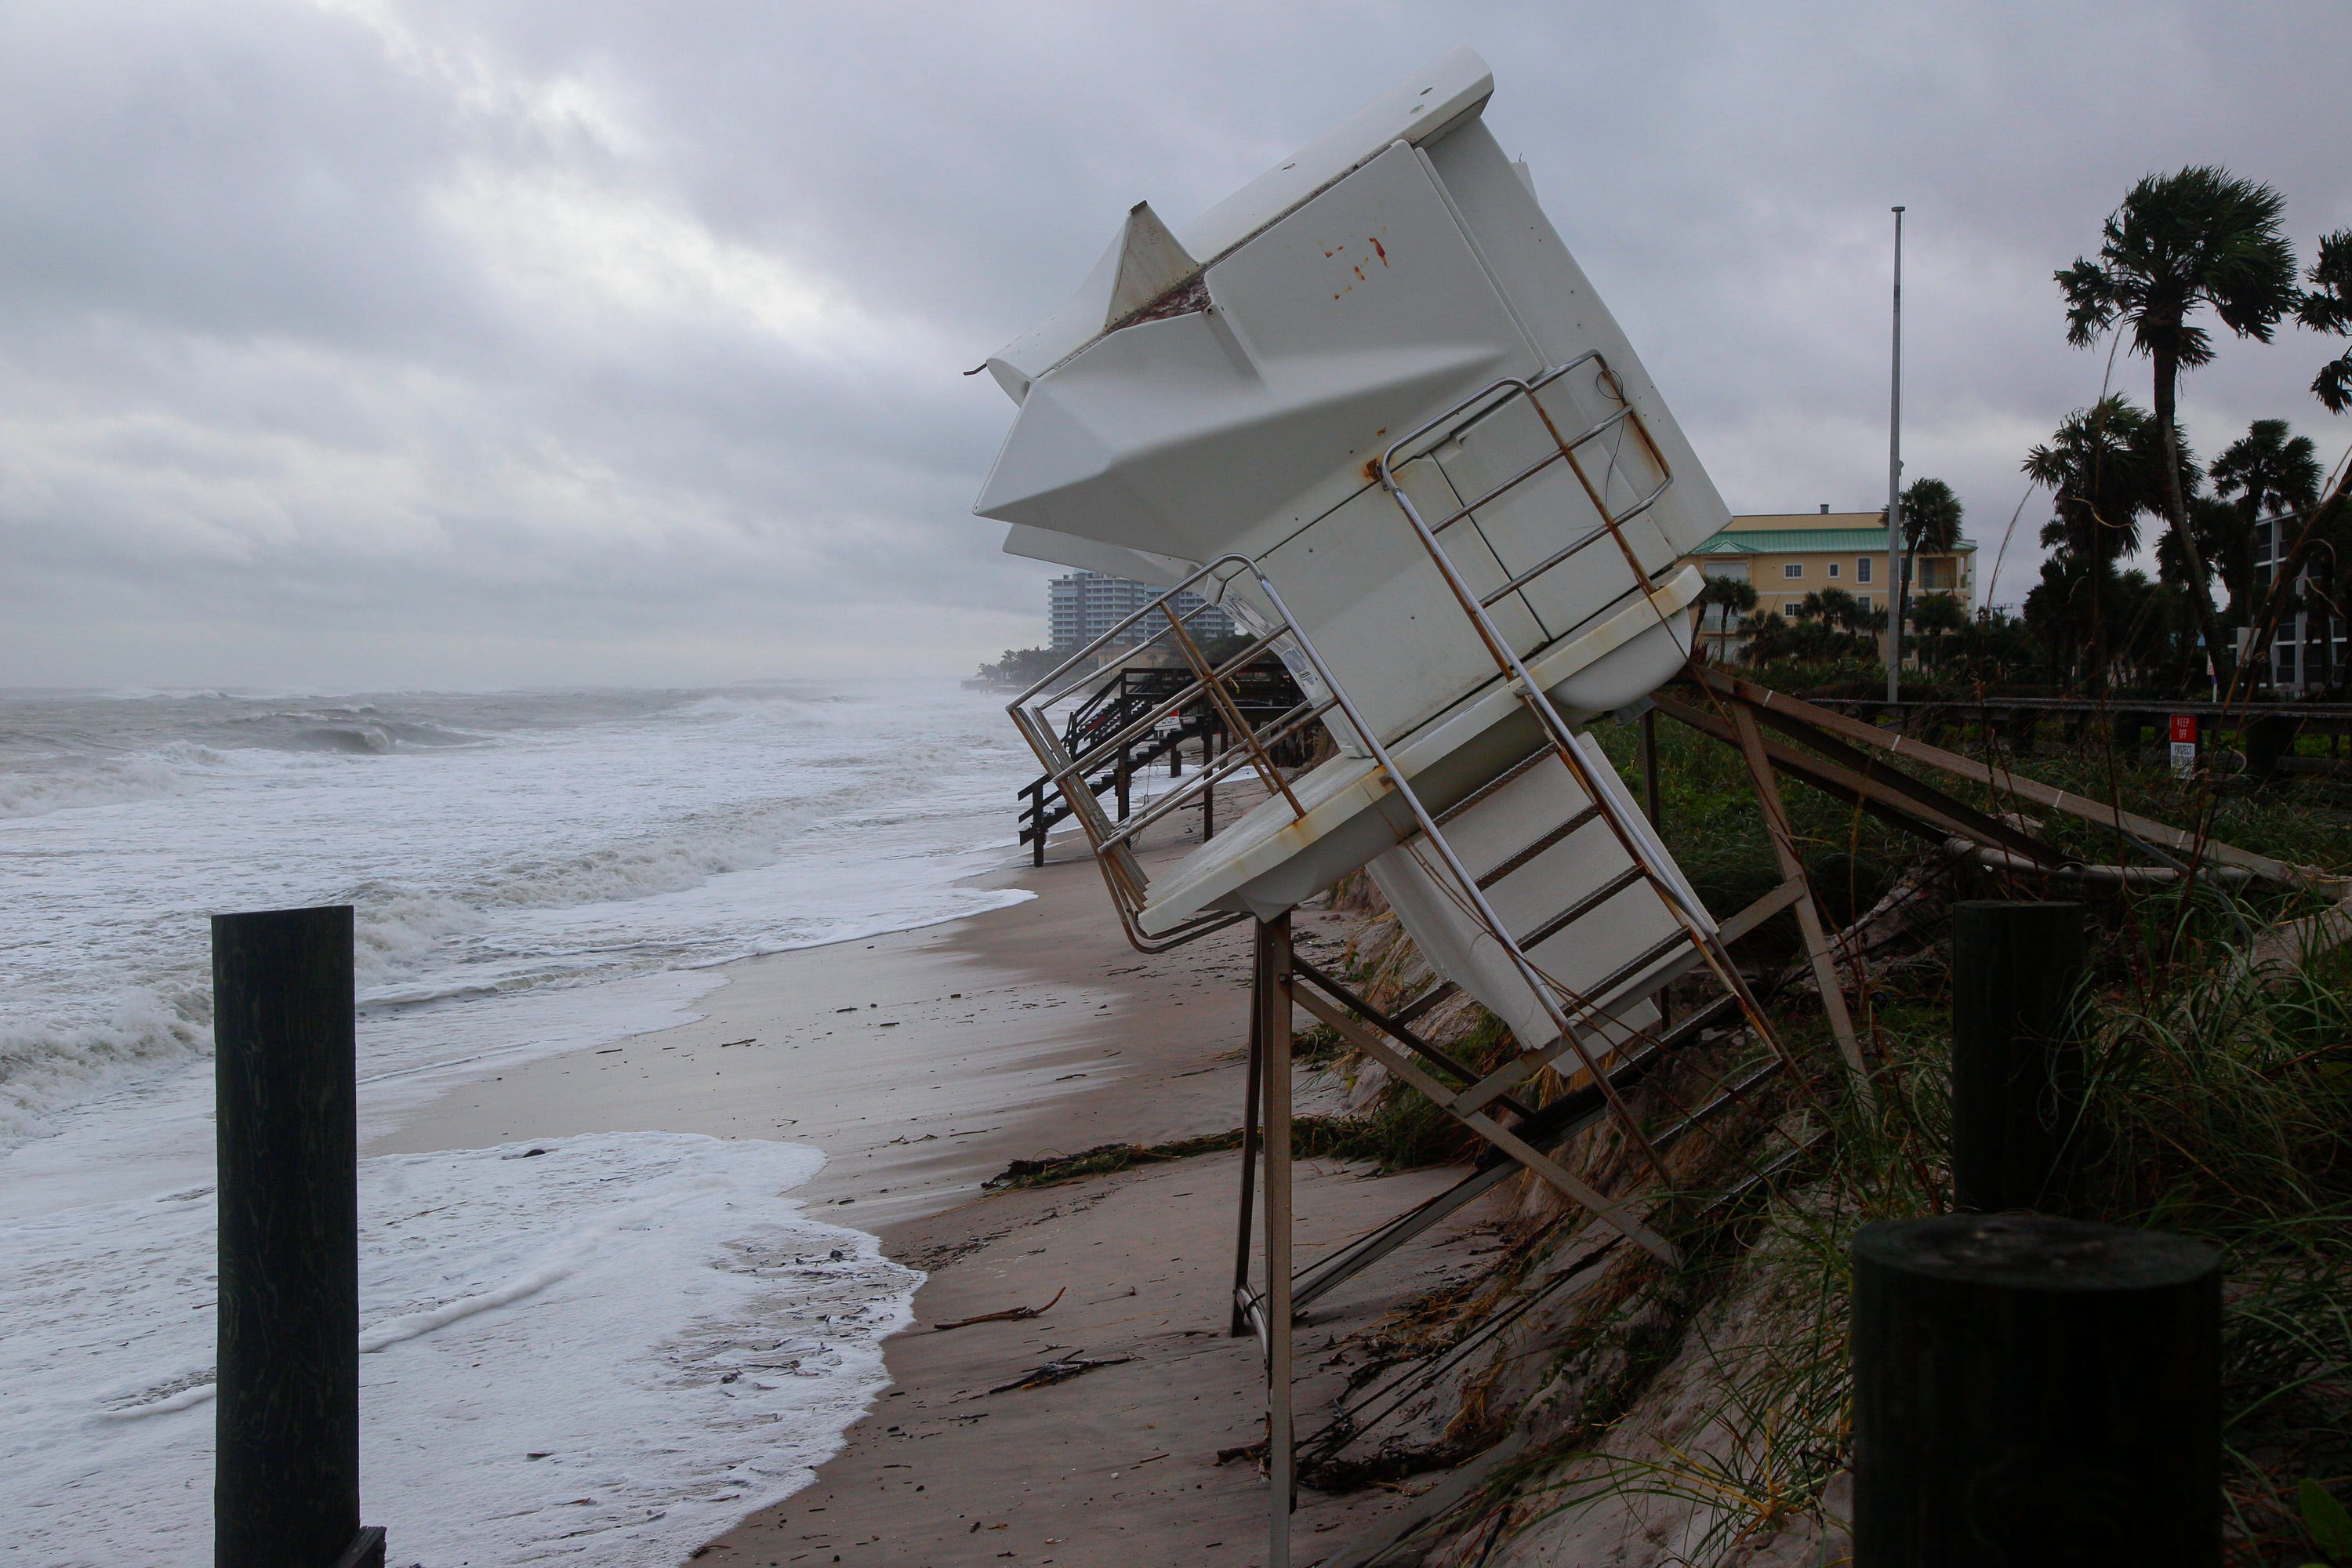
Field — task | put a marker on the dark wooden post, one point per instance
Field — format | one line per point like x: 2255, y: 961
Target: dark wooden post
x: 286, y: 1491
x: 2037, y: 1393
x: 2017, y: 1060
x: 2267, y: 739
x: 1118, y: 773
x: 1036, y: 793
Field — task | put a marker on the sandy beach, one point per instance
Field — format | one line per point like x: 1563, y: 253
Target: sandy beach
x: 920, y: 1064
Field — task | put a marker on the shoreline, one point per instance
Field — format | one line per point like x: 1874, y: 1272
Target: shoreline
x: 923, y: 1062
x: 1011, y: 1043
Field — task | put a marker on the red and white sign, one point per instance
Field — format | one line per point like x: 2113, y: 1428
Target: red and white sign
x: 2184, y: 744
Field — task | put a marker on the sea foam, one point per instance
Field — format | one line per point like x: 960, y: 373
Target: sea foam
x: 601, y: 1350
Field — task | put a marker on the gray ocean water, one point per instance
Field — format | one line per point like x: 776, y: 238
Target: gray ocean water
x: 532, y: 872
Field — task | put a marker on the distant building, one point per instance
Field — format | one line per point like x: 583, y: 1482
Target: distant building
x: 1786, y: 555
x: 1084, y: 605
x: 2307, y: 649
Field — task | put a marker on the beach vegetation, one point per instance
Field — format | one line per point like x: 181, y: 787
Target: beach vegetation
x: 1022, y: 668
x: 1712, y: 1400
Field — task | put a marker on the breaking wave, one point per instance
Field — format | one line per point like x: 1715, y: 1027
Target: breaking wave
x: 491, y: 844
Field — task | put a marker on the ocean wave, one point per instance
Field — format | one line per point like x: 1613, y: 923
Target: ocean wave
x: 50, y: 1062
x: 363, y: 730
x: 595, y: 836
x: 105, y: 782
x: 681, y: 855
x: 62, y: 779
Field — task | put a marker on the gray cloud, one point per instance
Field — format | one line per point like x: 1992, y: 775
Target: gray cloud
x: 385, y: 341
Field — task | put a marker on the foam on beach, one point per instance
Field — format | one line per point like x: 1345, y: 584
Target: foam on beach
x: 608, y: 1350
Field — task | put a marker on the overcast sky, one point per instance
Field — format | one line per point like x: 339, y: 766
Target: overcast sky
x: 410, y: 343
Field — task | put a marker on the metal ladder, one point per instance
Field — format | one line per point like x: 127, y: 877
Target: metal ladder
x: 1568, y: 1012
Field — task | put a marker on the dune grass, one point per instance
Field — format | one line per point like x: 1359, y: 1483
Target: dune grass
x: 2217, y: 1106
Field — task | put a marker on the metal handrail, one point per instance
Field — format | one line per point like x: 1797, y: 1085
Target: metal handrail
x: 1570, y: 1013
x: 1530, y: 471
x: 1169, y: 706
x: 1112, y: 844
x: 1163, y: 805
x: 1471, y: 1100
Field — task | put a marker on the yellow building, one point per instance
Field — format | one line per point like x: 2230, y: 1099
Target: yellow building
x: 1786, y: 555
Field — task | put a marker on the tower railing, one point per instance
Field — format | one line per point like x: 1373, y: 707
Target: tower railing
x: 1269, y: 749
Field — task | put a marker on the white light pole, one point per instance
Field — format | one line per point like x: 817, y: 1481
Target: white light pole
x: 1895, y: 552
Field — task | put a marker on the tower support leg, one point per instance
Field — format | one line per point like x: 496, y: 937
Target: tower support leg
x: 1818, y: 947
x: 1272, y: 992
x: 1252, y: 1100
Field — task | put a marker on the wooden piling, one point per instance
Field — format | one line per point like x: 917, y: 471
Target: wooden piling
x: 2017, y: 730
x: 2268, y: 737
x: 2017, y: 1060
x: 285, y: 1489
x: 2034, y: 1392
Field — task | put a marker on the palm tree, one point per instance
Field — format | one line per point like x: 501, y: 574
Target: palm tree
x: 1730, y: 593
x: 2326, y: 307
x: 1768, y: 637
x: 2103, y: 468
x: 1832, y: 608
x: 2265, y: 473
x: 2199, y: 237
x: 2269, y: 469
x: 1931, y: 521
x: 1938, y: 617
x: 1730, y: 597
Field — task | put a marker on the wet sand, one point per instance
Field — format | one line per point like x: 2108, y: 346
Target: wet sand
x: 921, y: 1064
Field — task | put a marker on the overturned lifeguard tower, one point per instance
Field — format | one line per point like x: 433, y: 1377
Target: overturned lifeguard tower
x: 1372, y: 407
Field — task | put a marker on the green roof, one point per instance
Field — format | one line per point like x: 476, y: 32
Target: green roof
x: 1800, y: 540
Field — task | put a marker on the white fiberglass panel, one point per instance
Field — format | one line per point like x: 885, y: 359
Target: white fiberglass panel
x: 1370, y: 599
x: 1087, y: 556
x: 1607, y: 954
x: 1271, y: 860
x: 1439, y: 96
x: 1452, y: 86
x: 1558, y: 305
x: 1354, y: 318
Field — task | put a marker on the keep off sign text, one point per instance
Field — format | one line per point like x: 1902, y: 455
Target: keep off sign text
x: 2184, y: 744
